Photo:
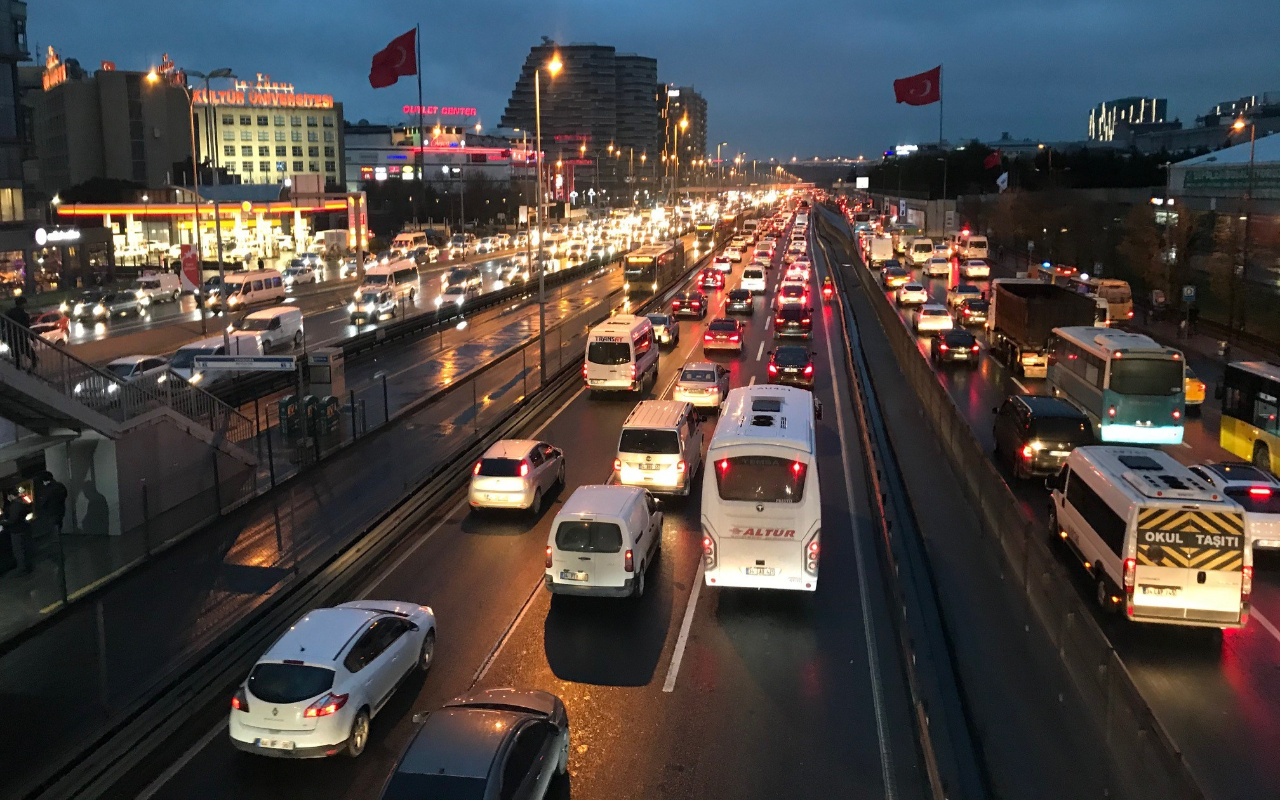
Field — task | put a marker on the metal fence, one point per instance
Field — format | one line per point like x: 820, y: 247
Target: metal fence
x: 1155, y: 766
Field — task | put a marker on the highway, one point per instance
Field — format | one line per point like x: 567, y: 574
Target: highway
x: 1218, y: 694
x: 690, y: 692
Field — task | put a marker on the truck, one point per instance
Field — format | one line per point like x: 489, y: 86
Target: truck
x: 1023, y: 312
x: 879, y: 250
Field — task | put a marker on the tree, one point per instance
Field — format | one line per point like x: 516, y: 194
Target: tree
x: 1141, y: 248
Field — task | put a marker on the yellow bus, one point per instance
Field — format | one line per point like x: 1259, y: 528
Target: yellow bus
x: 1249, y: 428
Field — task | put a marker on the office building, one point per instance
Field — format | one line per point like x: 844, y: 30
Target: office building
x: 388, y: 153
x: 638, y: 124
x: 686, y: 102
x: 1135, y: 111
x: 13, y: 49
x: 265, y: 132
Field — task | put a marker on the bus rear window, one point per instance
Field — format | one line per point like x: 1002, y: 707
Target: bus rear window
x: 609, y: 353
x: 766, y: 479
x: 589, y: 537
x: 1146, y: 376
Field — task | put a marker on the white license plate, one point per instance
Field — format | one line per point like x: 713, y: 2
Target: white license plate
x: 962, y: 354
x: 1060, y: 453
x: 596, y: 381
x: 570, y: 575
x: 769, y: 571
x: 275, y: 744
x: 1162, y: 591
x: 650, y: 466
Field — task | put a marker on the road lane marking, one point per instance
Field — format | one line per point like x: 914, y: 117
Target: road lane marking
x: 177, y: 766
x: 683, y: 639
x: 1018, y: 383
x: 505, y: 637
x: 752, y: 382
x: 1265, y: 623
x: 873, y: 656
x: 760, y: 352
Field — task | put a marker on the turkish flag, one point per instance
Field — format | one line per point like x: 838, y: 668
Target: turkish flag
x: 992, y: 160
x: 919, y: 90
x: 397, y: 59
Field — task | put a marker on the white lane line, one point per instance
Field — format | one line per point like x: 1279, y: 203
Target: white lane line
x: 669, y: 685
x: 183, y: 760
x: 873, y: 656
x: 1265, y: 623
x: 760, y: 352
x: 1018, y: 383
x: 505, y: 637
x: 752, y: 382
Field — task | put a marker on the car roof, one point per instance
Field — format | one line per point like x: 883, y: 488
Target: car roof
x: 268, y: 313
x: 1043, y: 406
x: 129, y: 359
x: 460, y: 742
x: 510, y: 448
x: 934, y: 307
x: 697, y: 365
x: 1239, y: 472
x: 958, y: 333
x: 320, y: 635
x: 599, y: 500
x: 799, y: 347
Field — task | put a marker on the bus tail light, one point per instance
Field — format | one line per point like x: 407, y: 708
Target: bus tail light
x: 548, y: 556
x: 708, y: 551
x: 1130, y: 578
x: 1111, y: 412
x: 811, y: 551
x: 629, y: 561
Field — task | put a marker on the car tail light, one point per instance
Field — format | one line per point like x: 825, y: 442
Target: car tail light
x: 329, y: 704
x: 735, y: 337
x: 942, y: 346
x: 476, y: 469
x: 633, y: 371
x: 706, y: 337
x: 1111, y: 412
x: 629, y: 562
x: 1130, y: 579
x: 675, y: 304
x: 1259, y: 491
x: 975, y: 348
x: 773, y: 369
x: 808, y: 370
x: 548, y: 556
x: 617, y: 465
x: 584, y: 369
x: 240, y: 700
x: 777, y: 320
x: 524, y: 469
x: 1028, y: 452
x: 697, y: 303
x: 1130, y: 315
x: 1177, y: 414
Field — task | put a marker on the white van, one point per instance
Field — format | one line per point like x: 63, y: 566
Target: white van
x: 753, y: 280
x: 158, y: 287
x: 1162, y: 544
x: 622, y: 354
x: 247, y: 288
x: 278, y: 326
x: 975, y: 247
x: 920, y: 250
x: 402, y: 279
x: 407, y: 241
x: 183, y: 362
x: 602, y: 542
x: 660, y: 447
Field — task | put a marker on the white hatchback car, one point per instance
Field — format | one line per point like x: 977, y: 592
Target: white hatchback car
x: 912, y: 294
x: 975, y: 268
x: 701, y: 384
x: 516, y: 473
x: 933, y: 317
x: 314, y: 691
x: 937, y: 267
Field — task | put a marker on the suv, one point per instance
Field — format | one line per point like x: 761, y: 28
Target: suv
x: 689, y: 304
x: 1035, y: 434
x: 660, y: 447
x: 793, y: 320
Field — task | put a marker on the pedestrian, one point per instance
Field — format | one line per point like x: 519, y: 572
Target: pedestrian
x: 261, y: 264
x: 18, y: 333
x: 51, y: 504
x: 18, y: 528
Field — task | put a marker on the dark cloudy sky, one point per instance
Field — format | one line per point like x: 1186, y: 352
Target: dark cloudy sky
x: 781, y: 79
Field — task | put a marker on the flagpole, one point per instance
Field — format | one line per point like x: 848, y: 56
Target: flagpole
x: 944, y: 153
x: 422, y: 142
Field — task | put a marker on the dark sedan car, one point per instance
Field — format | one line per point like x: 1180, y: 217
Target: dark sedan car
x: 793, y: 321
x: 739, y: 302
x: 954, y: 346
x: 1035, y: 434
x: 972, y: 311
x: 711, y: 279
x: 791, y: 365
x: 500, y: 743
x: 689, y: 304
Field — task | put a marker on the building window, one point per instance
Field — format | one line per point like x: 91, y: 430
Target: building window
x: 328, y: 136
x: 312, y: 136
x: 280, y: 166
x: 246, y: 166
x: 279, y: 136
x: 264, y: 166
x: 278, y: 119
x: 228, y: 136
x: 328, y: 152
x: 246, y: 151
x: 314, y: 152
x: 264, y: 151
x: 246, y: 136
x: 281, y: 150
x: 330, y: 166
x: 228, y: 119
x: 327, y: 122
x: 245, y: 119
x: 295, y: 135
x: 311, y: 122
x: 264, y: 136
x: 262, y: 119
x: 297, y: 166
x: 297, y: 151
x: 228, y: 149
x: 295, y: 121
x: 313, y: 166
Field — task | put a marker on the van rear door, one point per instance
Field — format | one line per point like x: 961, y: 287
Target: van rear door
x: 589, y: 552
x: 1189, y: 566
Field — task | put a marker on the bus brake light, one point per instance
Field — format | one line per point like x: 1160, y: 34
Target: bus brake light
x: 1111, y: 412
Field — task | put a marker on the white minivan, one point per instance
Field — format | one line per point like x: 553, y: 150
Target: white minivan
x: 183, y: 362
x: 602, y: 542
x: 158, y: 287
x: 622, y: 354
x: 247, y: 288
x: 402, y: 279
x: 279, y: 326
x: 753, y: 280
x: 660, y: 447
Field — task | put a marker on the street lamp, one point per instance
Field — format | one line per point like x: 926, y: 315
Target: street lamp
x: 1239, y: 125
x: 553, y: 68
x: 719, y: 163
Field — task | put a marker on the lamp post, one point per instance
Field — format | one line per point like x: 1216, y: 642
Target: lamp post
x: 675, y: 183
x: 1239, y: 125
x: 719, y: 165
x: 553, y: 69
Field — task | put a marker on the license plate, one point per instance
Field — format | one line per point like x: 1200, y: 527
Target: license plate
x: 768, y: 571
x: 1162, y: 591
x: 1060, y: 453
x: 650, y: 466
x: 274, y: 744
x: 962, y: 354
x: 596, y: 381
x: 570, y: 575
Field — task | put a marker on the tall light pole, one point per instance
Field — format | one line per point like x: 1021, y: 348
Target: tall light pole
x: 719, y: 165
x: 675, y: 183
x: 1239, y: 125
x: 553, y: 69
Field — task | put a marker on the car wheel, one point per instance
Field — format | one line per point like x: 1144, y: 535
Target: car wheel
x: 638, y: 590
x: 1055, y: 531
x: 560, y: 475
x: 297, y: 339
x: 177, y: 295
x: 562, y: 766
x: 1104, y: 597
x: 359, y: 736
x: 427, y: 655
x: 536, y: 506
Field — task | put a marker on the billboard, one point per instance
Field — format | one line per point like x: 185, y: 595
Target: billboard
x: 862, y: 182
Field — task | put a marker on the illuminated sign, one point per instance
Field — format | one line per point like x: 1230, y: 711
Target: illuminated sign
x: 55, y: 71
x: 905, y: 149
x: 55, y: 236
x: 263, y: 94
x: 443, y: 111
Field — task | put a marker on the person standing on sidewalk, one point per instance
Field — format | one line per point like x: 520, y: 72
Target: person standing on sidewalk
x: 51, y: 505
x: 17, y: 337
x: 18, y: 528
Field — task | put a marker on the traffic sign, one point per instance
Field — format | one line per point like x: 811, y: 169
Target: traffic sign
x: 247, y: 363
x: 1189, y: 293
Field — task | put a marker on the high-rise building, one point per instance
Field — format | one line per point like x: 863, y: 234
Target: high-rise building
x: 1134, y: 111
x: 685, y: 102
x: 638, y: 124
x: 13, y: 49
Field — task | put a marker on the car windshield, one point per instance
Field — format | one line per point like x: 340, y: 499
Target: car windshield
x: 376, y: 279
x: 588, y: 537
x: 254, y: 324
x: 698, y: 376
x: 500, y: 467
x: 923, y: 248
x: 766, y: 479
x: 120, y: 370
x: 791, y: 356
x: 186, y: 357
x: 1256, y: 499
x: 1146, y: 376
x: 726, y: 325
x: 649, y: 442
x: 371, y: 297
x: 234, y: 287
x: 289, y: 683
x: 1075, y: 431
x: 609, y: 353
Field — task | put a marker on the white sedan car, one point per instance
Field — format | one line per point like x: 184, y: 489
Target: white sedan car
x: 702, y: 384
x: 722, y: 263
x: 313, y: 693
x: 933, y: 317
x: 516, y: 473
x: 734, y: 253
x: 912, y: 294
x: 937, y: 267
x: 975, y: 268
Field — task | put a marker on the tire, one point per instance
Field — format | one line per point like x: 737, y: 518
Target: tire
x: 297, y: 339
x: 427, y: 654
x: 562, y: 766
x: 560, y: 475
x: 535, y: 507
x: 637, y: 590
x: 358, y: 739
x: 1104, y: 597
x: 1055, y: 530
x: 177, y: 295
x: 1261, y: 456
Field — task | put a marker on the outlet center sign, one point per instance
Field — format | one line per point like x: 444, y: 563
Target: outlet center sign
x: 443, y: 111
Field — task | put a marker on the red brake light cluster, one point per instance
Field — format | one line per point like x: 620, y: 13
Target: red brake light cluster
x: 773, y: 369
x: 629, y: 562
x: 808, y: 370
x: 548, y: 556
x: 329, y: 704
x: 476, y: 469
x: 524, y: 469
x: 617, y: 465
x: 239, y: 700
x: 1259, y: 491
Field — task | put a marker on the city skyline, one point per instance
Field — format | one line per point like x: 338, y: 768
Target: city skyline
x: 1006, y: 69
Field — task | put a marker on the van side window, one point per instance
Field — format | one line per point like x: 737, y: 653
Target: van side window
x: 275, y: 283
x: 257, y: 286
x: 1097, y: 514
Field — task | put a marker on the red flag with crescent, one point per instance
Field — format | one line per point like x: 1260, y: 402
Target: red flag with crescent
x: 394, y: 61
x: 919, y: 90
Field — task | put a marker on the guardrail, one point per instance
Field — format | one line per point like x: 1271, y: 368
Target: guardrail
x: 1090, y: 662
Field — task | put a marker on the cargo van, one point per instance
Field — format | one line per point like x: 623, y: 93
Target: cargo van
x: 975, y: 247
x: 660, y: 447
x: 407, y: 241
x: 183, y: 362
x: 622, y: 354
x: 1162, y: 544
x: 603, y: 541
x: 402, y: 279
x: 279, y: 326
x: 919, y: 251
x: 245, y: 288
x: 158, y: 287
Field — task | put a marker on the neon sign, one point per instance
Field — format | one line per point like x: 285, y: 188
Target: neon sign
x: 55, y: 71
x: 443, y: 111
x: 263, y: 94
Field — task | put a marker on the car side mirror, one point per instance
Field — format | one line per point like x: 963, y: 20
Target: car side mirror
x: 413, y: 626
x: 1051, y: 483
x: 420, y: 717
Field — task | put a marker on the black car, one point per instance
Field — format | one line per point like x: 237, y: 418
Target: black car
x: 739, y: 301
x: 972, y: 311
x: 791, y: 365
x: 505, y: 743
x: 689, y: 304
x: 1035, y: 434
x: 954, y: 346
x: 793, y: 321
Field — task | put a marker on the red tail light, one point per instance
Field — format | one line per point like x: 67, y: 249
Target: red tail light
x: 239, y: 700
x: 813, y: 549
x: 697, y: 303
x: 975, y: 348
x: 629, y: 562
x: 777, y: 320
x: 675, y: 304
x: 1130, y: 315
x: 680, y: 467
x: 943, y: 347
x: 1259, y: 491
x: 633, y: 372
x: 584, y: 369
x: 735, y: 337
x: 1111, y: 412
x: 329, y: 704
x: 706, y: 337
x: 617, y: 465
x: 808, y: 370
x: 1177, y: 414
x: 773, y: 369
x: 524, y: 469
x: 1027, y: 452
x: 707, y: 545
x: 548, y: 556
x: 1130, y: 580
x: 476, y: 469
x: 806, y: 321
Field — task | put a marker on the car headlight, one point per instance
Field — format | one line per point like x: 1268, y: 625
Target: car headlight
x: 351, y: 308
x: 79, y: 386
x: 112, y: 388
x: 369, y: 308
x: 461, y: 299
x: 439, y: 301
x: 99, y: 310
x: 62, y: 307
x: 233, y: 300
x: 196, y: 377
x: 79, y: 309
x: 1037, y: 446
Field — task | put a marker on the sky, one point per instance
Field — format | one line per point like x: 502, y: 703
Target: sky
x: 780, y: 79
